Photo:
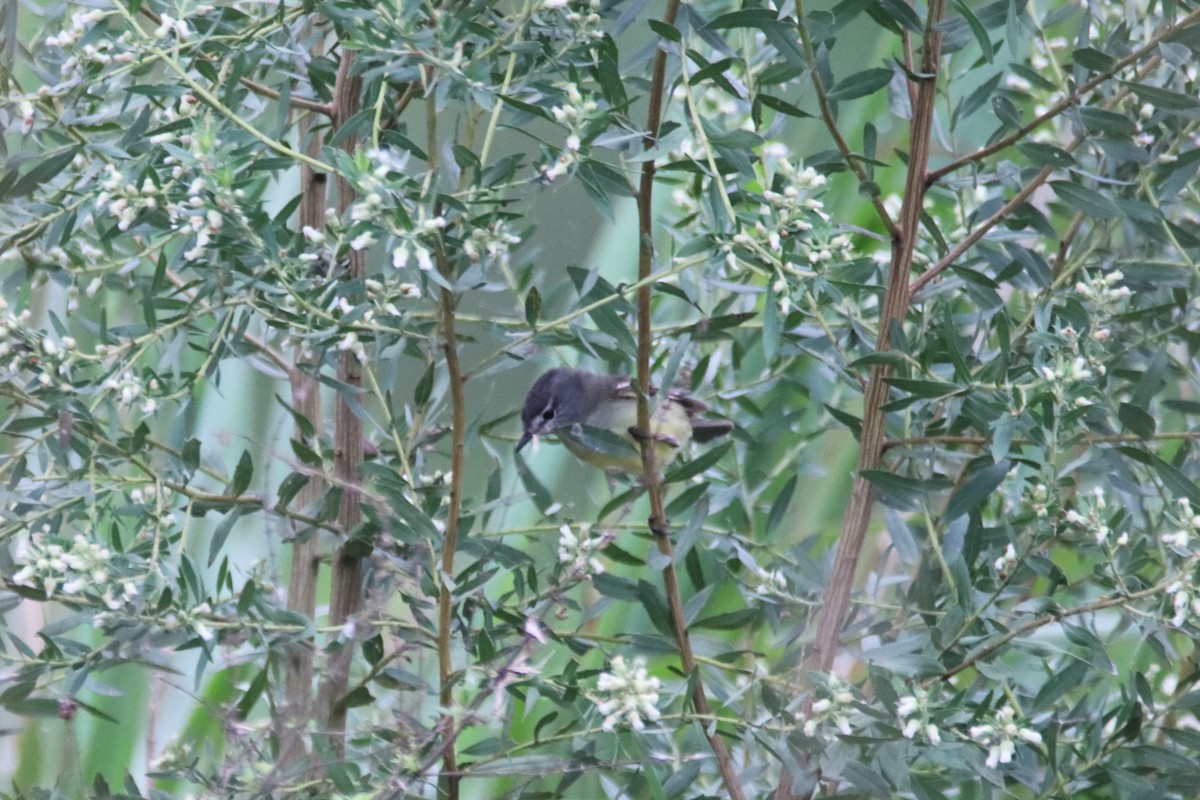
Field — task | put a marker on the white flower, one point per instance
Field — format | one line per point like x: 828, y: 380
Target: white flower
x: 579, y: 552
x: 628, y: 693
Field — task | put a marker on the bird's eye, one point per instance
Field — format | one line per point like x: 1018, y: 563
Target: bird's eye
x: 548, y: 414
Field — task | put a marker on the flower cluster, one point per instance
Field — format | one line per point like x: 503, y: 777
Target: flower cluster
x: 1037, y: 499
x: 158, y: 499
x: 578, y: 553
x: 193, y: 619
x: 832, y: 712
x: 913, y: 711
x: 1185, y: 599
x: 1001, y: 735
x: 1091, y: 514
x: 97, y: 50
x: 769, y: 582
x: 1189, y: 527
x: 1006, y: 563
x: 1069, y: 370
x: 131, y: 389
x: 80, y: 570
x: 628, y: 693
x: 580, y: 19
x: 576, y: 115
x: 1102, y: 291
x: 413, y: 243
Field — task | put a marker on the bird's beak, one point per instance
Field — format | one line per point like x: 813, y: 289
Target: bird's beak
x: 525, y: 437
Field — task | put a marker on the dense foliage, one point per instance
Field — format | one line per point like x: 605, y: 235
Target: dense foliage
x: 276, y: 279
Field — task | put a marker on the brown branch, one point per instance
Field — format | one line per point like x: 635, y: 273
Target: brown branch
x: 298, y: 102
x: 1109, y: 438
x: 306, y: 562
x: 1071, y: 99
x: 650, y: 475
x: 450, y: 777
x: 346, y: 578
x: 983, y: 651
x: 831, y: 123
x: 831, y: 617
x: 1034, y: 184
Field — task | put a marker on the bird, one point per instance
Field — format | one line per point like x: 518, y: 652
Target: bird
x: 595, y: 417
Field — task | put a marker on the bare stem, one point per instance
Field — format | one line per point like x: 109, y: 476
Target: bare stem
x: 346, y: 585
x: 302, y: 583
x: 833, y: 613
x: 653, y: 482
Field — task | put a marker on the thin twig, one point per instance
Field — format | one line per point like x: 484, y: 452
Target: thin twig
x: 1072, y: 99
x: 653, y: 481
x: 852, y: 161
x: 983, y: 651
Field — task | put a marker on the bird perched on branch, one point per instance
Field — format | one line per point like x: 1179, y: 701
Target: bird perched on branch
x: 595, y: 416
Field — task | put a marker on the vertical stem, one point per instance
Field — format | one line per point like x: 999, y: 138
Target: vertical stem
x: 450, y: 544
x: 448, y: 784
x: 345, y: 597
x: 302, y: 584
x: 833, y: 611
x: 651, y: 478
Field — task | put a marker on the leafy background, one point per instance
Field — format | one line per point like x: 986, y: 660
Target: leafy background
x: 276, y: 280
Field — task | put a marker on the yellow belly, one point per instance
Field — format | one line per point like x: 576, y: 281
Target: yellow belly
x: 670, y: 421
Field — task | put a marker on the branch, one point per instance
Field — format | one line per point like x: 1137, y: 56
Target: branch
x: 831, y: 123
x: 832, y: 615
x: 1034, y: 184
x: 1071, y: 99
x: 346, y: 578
x: 984, y: 651
x: 650, y: 475
x: 306, y: 563
x: 450, y: 775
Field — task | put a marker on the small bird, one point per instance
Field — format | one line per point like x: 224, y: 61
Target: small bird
x: 595, y: 416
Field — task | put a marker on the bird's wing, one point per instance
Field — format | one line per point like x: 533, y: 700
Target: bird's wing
x: 624, y: 388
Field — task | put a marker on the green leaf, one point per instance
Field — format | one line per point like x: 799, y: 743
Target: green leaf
x: 899, y: 491
x: 1085, y: 200
x: 730, y: 620
x: 1136, y: 420
x: 925, y: 389
x: 697, y: 465
x: 655, y: 605
x: 42, y: 173
x: 780, y: 506
x: 1164, y: 98
x: 782, y: 106
x: 252, y: 694
x: 761, y: 18
x: 533, y: 307
x: 1044, y: 154
x: 242, y: 475
x: 977, y: 30
x: 1175, y: 480
x: 616, y: 587
x: 221, y: 533
x: 668, y: 32
x: 1094, y: 60
x: 1110, y: 122
x: 976, y: 490
x: 288, y: 489
x: 770, y: 332
x: 975, y: 100
x: 861, y: 84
